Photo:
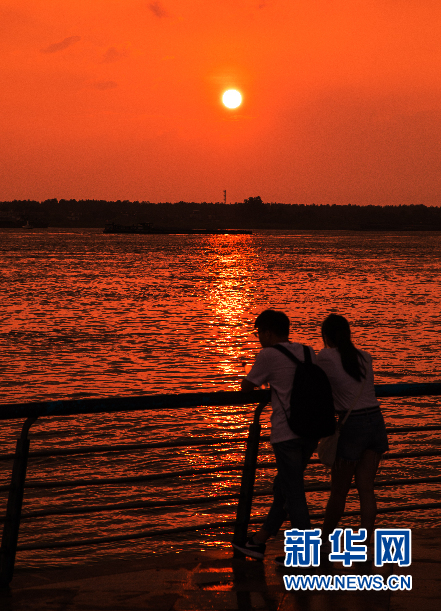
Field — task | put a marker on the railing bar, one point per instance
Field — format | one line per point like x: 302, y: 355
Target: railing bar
x: 378, y: 484
x: 133, y: 446
x: 176, y: 444
x: 410, y: 429
x: 110, y: 539
x: 203, y: 500
x: 394, y: 455
x: 391, y: 456
x: 169, y: 531
x: 184, y: 473
x: 410, y: 507
x: 134, y: 505
x: 122, y: 480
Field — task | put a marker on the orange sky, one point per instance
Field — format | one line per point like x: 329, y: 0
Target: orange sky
x: 121, y: 99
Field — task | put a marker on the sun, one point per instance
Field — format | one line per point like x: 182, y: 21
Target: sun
x: 232, y: 98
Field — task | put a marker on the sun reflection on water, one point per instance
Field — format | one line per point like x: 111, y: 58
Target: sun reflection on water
x: 233, y: 272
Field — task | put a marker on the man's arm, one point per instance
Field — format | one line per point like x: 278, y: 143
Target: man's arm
x: 246, y: 385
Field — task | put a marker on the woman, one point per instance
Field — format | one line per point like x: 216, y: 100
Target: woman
x: 363, y: 437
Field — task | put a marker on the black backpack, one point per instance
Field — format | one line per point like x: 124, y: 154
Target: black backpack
x: 312, y: 406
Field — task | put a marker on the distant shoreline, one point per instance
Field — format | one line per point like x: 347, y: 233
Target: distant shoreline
x: 252, y: 214
x: 272, y: 231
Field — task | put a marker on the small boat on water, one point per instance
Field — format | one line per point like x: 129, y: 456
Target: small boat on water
x: 27, y: 226
x: 148, y: 229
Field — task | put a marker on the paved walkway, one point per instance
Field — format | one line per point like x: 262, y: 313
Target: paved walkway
x: 217, y: 581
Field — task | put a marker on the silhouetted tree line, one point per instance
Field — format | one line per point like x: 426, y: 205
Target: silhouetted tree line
x: 252, y: 213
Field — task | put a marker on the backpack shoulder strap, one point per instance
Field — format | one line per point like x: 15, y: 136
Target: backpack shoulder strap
x: 287, y: 353
x: 307, y: 354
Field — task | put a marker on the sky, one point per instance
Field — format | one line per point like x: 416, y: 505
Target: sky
x: 121, y: 99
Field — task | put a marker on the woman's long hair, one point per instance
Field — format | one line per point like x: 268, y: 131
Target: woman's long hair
x: 336, y: 329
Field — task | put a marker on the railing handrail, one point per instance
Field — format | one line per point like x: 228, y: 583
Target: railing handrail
x: 71, y: 407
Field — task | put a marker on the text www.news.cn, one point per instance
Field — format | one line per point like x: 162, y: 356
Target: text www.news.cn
x: 347, y: 582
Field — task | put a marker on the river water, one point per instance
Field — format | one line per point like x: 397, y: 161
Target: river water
x: 91, y: 315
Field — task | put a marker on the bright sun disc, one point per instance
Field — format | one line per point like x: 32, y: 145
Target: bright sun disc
x: 232, y: 98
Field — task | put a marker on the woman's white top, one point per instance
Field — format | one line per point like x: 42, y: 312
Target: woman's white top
x: 344, y: 388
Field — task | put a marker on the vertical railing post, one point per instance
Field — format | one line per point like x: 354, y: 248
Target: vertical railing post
x: 248, y: 477
x: 13, y: 510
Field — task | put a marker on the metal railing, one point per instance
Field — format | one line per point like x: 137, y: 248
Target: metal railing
x: 33, y: 411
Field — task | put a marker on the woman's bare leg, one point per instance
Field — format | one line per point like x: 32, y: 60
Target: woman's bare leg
x: 365, y: 473
x: 341, y: 478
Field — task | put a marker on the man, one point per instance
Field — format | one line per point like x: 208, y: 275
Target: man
x: 292, y: 452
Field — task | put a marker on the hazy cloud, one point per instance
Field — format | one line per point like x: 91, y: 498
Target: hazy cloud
x: 12, y: 22
x: 103, y: 85
x: 113, y: 55
x: 157, y: 9
x: 60, y: 46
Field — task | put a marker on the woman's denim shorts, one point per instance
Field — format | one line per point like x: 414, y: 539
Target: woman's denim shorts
x: 361, y: 432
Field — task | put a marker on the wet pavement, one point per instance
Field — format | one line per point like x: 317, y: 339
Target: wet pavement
x: 215, y: 580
